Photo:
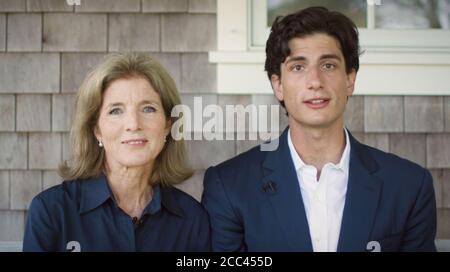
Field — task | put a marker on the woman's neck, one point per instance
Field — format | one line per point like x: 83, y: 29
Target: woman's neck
x: 131, y: 188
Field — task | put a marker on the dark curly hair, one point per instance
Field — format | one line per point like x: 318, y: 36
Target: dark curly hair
x: 306, y: 22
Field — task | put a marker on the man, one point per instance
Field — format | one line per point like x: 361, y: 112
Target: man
x: 321, y: 190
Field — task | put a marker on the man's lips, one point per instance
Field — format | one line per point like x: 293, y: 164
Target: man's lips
x: 317, y: 103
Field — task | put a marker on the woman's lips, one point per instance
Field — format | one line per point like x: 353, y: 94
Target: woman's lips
x: 317, y: 103
x: 136, y: 142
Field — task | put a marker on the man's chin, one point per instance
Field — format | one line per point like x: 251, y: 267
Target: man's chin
x: 316, y: 124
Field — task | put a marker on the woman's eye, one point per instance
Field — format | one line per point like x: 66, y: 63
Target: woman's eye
x: 115, y: 111
x: 149, y: 109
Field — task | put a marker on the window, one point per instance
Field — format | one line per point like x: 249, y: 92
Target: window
x: 406, y: 44
x: 416, y: 14
x: 382, y: 23
x: 355, y: 9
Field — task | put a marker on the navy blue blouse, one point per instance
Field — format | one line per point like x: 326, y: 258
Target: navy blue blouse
x: 83, y: 216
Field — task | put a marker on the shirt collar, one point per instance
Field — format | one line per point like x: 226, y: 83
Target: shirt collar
x: 95, y: 192
x: 343, y: 163
x: 163, y: 197
x: 155, y: 204
x: 169, y: 201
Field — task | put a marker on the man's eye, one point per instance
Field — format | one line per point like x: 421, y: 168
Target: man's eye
x: 115, y: 111
x: 329, y: 66
x: 297, y: 67
x: 149, y: 109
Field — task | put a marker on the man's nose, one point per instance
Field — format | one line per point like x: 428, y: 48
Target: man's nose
x: 313, y: 78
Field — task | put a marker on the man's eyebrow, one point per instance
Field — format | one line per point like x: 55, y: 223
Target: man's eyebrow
x: 325, y: 56
x: 330, y: 56
x: 296, y: 58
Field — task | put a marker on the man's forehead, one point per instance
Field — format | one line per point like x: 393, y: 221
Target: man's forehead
x: 314, y: 41
x: 314, y: 47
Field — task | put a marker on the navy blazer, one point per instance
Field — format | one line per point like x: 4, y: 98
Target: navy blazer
x: 255, y: 203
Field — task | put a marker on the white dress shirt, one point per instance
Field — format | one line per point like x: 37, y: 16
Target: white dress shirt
x: 324, y: 199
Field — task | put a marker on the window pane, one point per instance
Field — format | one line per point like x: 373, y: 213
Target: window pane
x: 355, y: 9
x: 413, y: 14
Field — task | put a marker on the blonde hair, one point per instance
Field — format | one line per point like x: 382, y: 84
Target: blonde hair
x: 88, y: 159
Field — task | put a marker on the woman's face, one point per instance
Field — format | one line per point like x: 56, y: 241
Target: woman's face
x: 132, y: 126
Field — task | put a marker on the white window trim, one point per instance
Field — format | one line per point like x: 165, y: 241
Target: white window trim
x: 395, y: 62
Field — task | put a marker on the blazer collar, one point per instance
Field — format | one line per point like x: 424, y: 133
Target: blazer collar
x: 363, y: 193
x: 283, y: 191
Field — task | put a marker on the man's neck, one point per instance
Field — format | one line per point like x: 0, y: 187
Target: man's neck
x: 318, y: 146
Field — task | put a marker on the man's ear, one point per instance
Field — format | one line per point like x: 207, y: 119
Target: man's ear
x: 351, y: 78
x: 277, y: 87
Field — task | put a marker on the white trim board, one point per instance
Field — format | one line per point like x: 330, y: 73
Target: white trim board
x: 379, y: 74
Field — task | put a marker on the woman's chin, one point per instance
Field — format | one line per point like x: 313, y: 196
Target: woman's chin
x: 135, y: 163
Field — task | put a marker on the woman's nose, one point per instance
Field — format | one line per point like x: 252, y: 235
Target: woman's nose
x: 132, y: 121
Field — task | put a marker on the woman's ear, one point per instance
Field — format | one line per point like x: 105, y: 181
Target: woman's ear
x: 168, y: 126
x: 97, y: 134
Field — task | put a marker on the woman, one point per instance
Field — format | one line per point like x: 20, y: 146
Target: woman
x: 118, y: 194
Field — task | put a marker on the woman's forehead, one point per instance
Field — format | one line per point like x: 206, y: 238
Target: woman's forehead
x: 130, y: 90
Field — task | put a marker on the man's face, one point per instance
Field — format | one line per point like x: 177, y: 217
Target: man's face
x: 314, y: 84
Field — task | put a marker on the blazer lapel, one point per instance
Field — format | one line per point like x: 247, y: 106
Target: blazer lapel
x: 363, y: 191
x: 282, y: 188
